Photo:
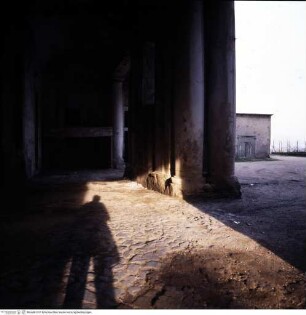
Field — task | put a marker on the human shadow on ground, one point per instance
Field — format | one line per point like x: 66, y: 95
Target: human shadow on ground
x: 91, y: 239
x: 59, y: 258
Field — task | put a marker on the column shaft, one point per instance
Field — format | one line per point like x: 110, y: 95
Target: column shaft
x: 189, y: 99
x: 118, y: 125
x: 220, y: 97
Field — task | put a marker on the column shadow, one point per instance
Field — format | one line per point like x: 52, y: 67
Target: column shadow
x: 271, y: 217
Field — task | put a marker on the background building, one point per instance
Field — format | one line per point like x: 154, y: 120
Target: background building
x: 253, y: 135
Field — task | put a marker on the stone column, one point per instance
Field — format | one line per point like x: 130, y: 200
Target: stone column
x: 189, y: 98
x: 118, y: 125
x: 29, y: 121
x: 220, y: 95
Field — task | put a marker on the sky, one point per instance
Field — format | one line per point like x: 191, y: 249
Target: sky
x: 271, y: 65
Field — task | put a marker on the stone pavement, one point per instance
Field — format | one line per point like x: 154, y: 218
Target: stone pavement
x: 114, y: 244
x: 162, y: 226
x: 141, y: 227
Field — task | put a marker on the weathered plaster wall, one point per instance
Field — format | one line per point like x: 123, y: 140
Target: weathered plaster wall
x: 258, y: 126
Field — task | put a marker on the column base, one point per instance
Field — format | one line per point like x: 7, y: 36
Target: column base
x: 228, y: 187
x: 183, y: 188
x: 119, y: 165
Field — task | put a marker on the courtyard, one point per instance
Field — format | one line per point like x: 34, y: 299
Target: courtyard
x: 94, y: 240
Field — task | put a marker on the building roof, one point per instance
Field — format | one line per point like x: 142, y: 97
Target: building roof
x: 253, y: 114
